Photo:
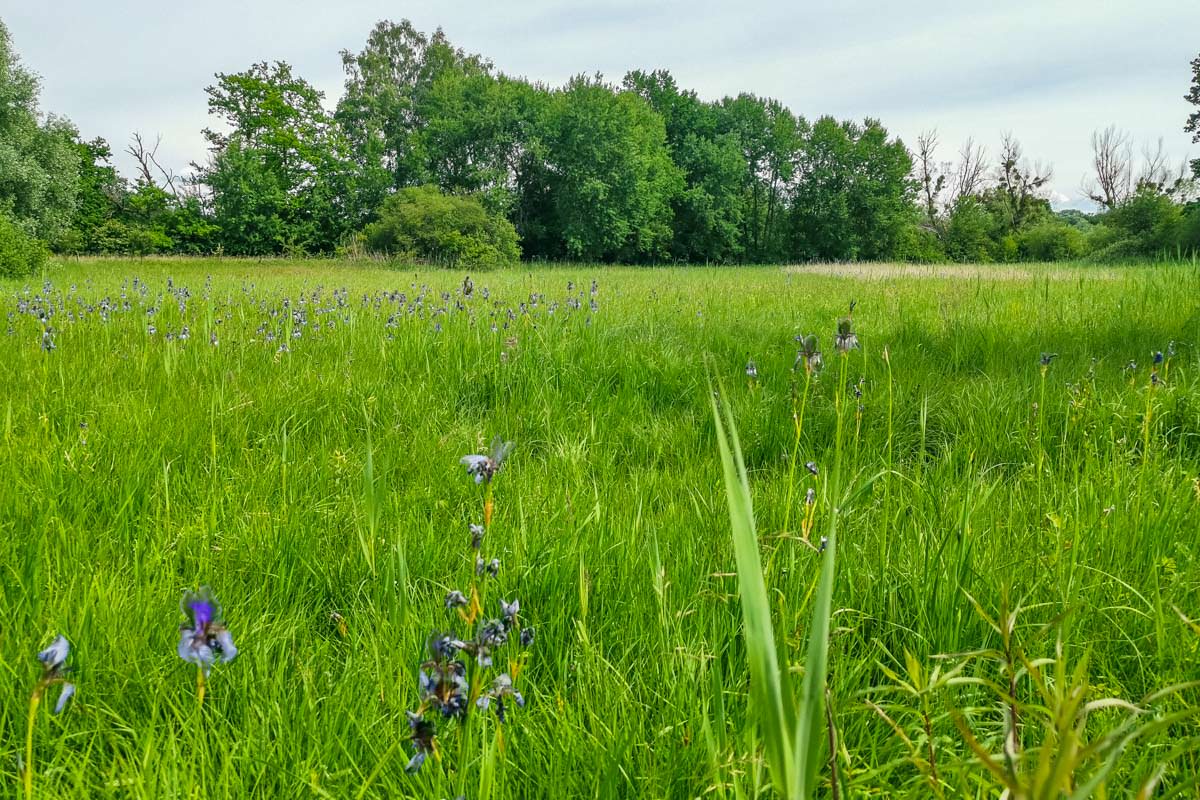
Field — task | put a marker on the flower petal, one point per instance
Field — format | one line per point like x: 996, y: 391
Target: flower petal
x: 54, y: 655
x: 225, y: 642
x: 68, y: 691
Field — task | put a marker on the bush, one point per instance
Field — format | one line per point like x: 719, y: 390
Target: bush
x: 918, y: 244
x: 1050, y: 241
x: 450, y: 230
x: 1150, y: 219
x: 968, y: 235
x: 20, y: 253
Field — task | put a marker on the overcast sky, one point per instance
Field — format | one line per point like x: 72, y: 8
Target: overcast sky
x: 1050, y: 71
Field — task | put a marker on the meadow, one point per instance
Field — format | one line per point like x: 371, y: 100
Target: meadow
x: 290, y: 434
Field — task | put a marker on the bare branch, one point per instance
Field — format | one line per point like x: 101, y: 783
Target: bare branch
x: 1112, y: 163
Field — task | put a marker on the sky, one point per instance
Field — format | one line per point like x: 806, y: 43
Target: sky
x: 1050, y: 72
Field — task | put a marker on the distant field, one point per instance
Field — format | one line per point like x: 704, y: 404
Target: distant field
x: 299, y: 453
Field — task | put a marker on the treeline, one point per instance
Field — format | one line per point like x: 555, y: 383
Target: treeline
x: 642, y: 172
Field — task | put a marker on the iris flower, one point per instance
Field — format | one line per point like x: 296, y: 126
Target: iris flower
x: 484, y: 467
x: 205, y: 640
x: 54, y: 670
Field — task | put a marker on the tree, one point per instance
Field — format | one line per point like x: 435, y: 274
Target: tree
x: 384, y: 108
x: 606, y: 180
x: 769, y: 136
x: 708, y: 212
x: 1112, y: 161
x: 1019, y: 195
x: 39, y: 160
x: 281, y: 176
x: 854, y: 192
x: 98, y: 199
x: 1192, y: 125
x: 474, y: 133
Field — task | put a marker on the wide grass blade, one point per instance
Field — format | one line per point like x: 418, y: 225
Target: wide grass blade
x: 770, y: 703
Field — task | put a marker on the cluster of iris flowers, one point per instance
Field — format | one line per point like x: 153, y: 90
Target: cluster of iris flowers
x: 462, y: 673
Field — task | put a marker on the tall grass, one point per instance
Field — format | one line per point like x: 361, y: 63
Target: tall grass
x: 317, y: 490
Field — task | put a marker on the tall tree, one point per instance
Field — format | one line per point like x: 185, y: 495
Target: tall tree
x: 1192, y: 125
x: 280, y: 175
x: 769, y: 136
x: 474, y: 134
x: 39, y: 159
x: 388, y: 86
x: 708, y: 212
x: 1019, y: 196
x: 608, y: 178
x: 854, y: 192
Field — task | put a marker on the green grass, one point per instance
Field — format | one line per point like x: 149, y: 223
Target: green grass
x: 325, y: 481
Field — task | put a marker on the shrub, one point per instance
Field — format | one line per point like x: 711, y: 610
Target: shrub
x: 20, y: 253
x: 1050, y: 241
x: 918, y: 244
x: 968, y: 232
x: 451, y: 230
x: 1150, y: 219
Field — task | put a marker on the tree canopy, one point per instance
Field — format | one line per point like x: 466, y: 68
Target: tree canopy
x: 640, y: 171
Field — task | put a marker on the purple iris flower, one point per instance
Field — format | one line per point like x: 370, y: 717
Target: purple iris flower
x: 205, y: 640
x: 54, y: 670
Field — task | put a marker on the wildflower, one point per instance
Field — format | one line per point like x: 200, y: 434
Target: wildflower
x: 492, y: 568
x: 526, y: 637
x: 509, y: 611
x: 751, y: 369
x: 1046, y: 358
x: 485, y: 467
x: 54, y: 670
x: 207, y: 640
x: 809, y: 354
x: 455, y: 599
x: 494, y: 633
x: 445, y: 646
x: 824, y: 542
x: 477, y: 532
x: 1158, y: 357
x: 422, y: 738
x: 810, y: 496
x: 468, y: 286
x: 811, y: 467
x: 846, y: 339
x: 443, y: 685
x: 502, y: 687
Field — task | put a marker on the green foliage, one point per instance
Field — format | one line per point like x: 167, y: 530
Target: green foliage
x: 708, y: 212
x: 769, y: 137
x: 854, y: 196
x: 20, y: 254
x: 282, y: 178
x: 968, y: 233
x: 390, y: 94
x: 1192, y: 125
x: 39, y: 163
x: 1149, y: 220
x: 1051, y: 241
x: 449, y: 230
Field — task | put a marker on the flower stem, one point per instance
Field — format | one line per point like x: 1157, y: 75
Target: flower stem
x: 34, y: 700
x: 200, y: 687
x: 798, y: 422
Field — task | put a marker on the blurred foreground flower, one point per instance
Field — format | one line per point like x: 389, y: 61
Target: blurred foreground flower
x: 54, y: 670
x: 205, y: 640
